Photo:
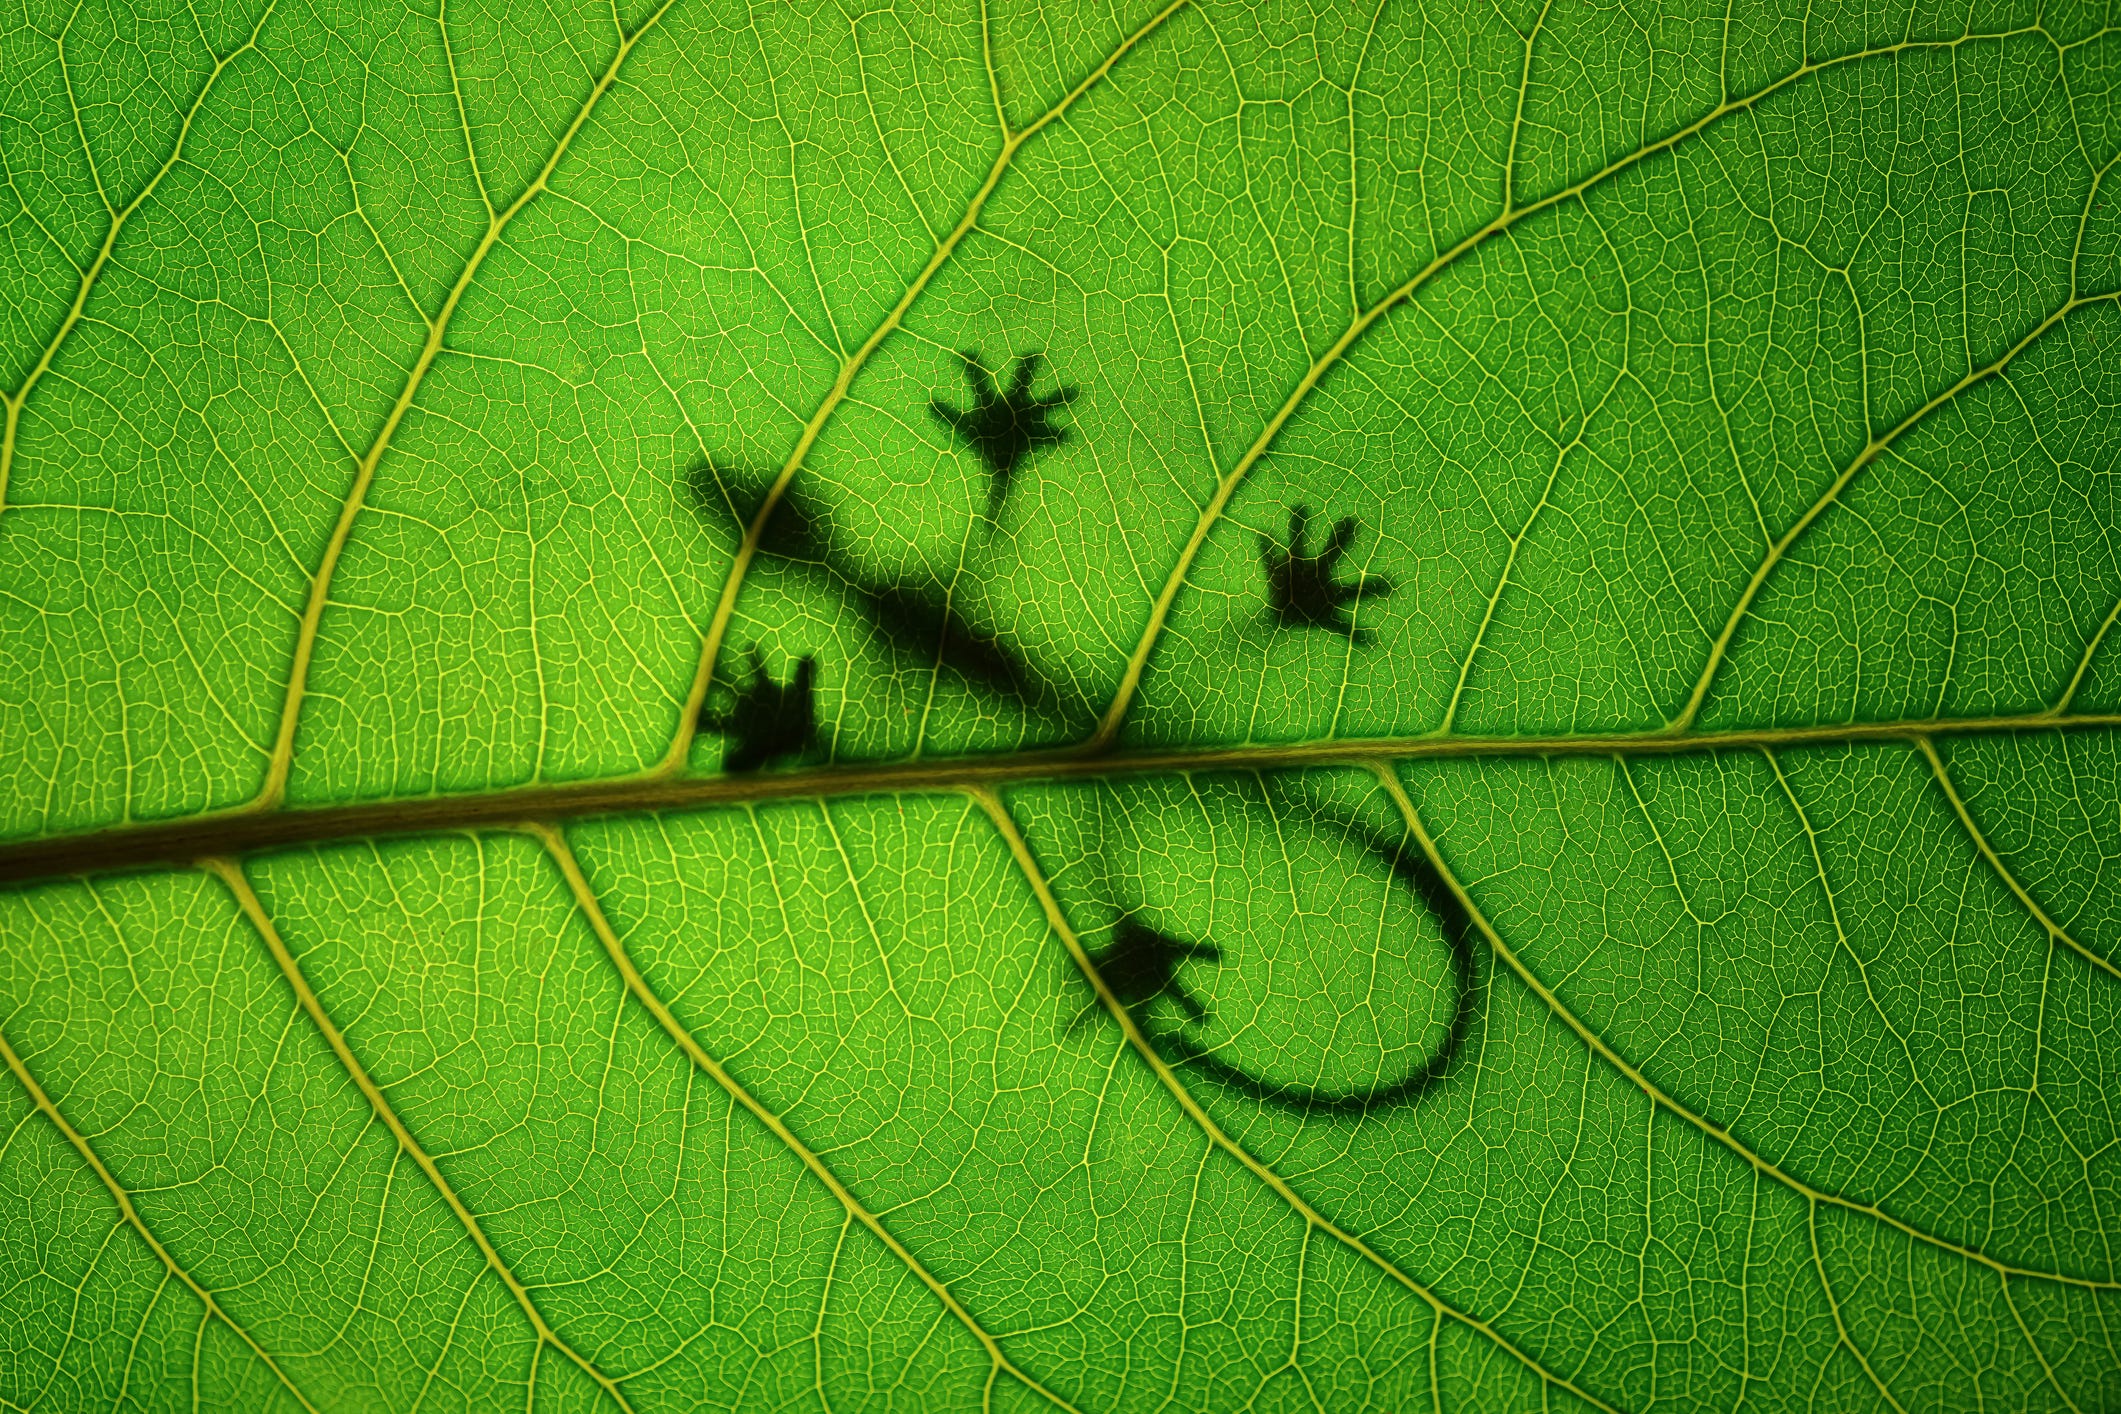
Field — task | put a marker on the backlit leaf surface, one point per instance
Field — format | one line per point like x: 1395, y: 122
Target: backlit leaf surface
x: 1654, y: 947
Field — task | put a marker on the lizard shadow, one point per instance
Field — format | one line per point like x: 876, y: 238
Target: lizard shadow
x: 921, y: 626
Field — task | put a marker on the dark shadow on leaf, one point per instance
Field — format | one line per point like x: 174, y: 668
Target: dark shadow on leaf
x: 914, y: 617
x: 1142, y: 965
x: 770, y: 720
x: 1301, y: 589
x: 1005, y: 425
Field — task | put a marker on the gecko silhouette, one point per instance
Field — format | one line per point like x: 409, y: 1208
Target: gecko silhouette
x: 918, y: 620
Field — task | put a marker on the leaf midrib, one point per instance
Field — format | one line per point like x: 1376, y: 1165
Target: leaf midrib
x: 241, y: 831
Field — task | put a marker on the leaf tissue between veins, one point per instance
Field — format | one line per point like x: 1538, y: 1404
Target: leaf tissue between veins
x: 1005, y: 424
x: 1301, y: 589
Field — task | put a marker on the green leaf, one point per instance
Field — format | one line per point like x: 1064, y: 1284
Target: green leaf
x: 613, y: 798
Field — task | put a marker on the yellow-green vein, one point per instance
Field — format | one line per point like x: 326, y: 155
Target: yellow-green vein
x: 592, y: 911
x: 11, y: 405
x: 2084, y: 660
x: 281, y: 759
x: 1833, y: 1306
x: 674, y: 759
x: 2040, y: 1355
x: 1394, y: 788
x: 124, y: 1200
x: 1226, y: 486
x: 1842, y: 941
x: 231, y: 874
x: 1872, y: 450
x: 2003, y: 871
